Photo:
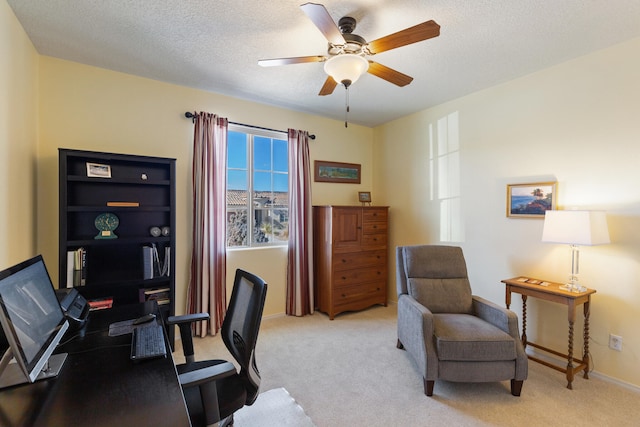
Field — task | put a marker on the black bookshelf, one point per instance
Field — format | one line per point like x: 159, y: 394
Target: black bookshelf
x: 144, y: 190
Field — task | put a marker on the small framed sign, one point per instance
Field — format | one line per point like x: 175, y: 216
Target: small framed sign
x: 364, y: 196
x: 96, y: 170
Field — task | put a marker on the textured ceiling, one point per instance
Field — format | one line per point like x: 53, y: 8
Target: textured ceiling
x: 215, y: 45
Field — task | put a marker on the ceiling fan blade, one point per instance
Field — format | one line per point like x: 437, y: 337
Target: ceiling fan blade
x: 321, y: 18
x: 389, y: 74
x: 410, y: 35
x: 287, y: 61
x: 328, y: 86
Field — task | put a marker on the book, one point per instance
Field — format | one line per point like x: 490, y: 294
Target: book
x: 100, y: 303
x: 76, y: 267
x: 147, y: 263
x: 159, y: 295
x: 151, y: 265
x: 123, y: 204
x: 70, y: 267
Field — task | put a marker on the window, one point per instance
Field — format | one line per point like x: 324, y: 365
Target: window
x: 257, y: 188
x: 444, y: 159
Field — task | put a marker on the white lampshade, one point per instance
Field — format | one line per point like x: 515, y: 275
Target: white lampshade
x: 585, y: 228
x: 346, y: 68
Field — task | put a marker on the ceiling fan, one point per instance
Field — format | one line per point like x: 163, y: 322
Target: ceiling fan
x: 346, y: 56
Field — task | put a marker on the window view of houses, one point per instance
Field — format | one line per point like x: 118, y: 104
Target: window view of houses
x: 257, y: 189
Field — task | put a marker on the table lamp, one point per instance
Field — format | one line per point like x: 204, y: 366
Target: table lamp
x: 575, y: 228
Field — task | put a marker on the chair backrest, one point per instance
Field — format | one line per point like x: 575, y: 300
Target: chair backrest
x: 436, y: 276
x: 241, y: 325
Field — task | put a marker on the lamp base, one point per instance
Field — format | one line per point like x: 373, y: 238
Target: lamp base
x: 573, y: 287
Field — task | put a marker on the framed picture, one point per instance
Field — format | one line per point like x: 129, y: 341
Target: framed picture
x: 364, y: 196
x: 531, y: 200
x: 97, y: 170
x: 347, y: 173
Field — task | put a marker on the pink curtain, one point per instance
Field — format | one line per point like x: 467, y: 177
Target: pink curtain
x: 207, y: 284
x: 300, y: 255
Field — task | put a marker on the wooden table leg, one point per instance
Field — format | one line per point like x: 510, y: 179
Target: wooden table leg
x: 585, y: 355
x: 572, y: 317
x: 524, y: 321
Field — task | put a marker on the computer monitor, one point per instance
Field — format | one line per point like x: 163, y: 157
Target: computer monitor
x: 33, y: 324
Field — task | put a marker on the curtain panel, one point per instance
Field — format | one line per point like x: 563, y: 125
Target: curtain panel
x: 207, y: 283
x: 300, y: 252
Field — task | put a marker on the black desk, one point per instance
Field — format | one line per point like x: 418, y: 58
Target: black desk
x: 99, y: 385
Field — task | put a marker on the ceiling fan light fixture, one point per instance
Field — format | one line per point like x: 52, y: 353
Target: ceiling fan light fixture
x: 346, y: 68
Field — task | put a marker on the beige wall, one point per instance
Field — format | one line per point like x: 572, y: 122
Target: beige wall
x: 18, y: 140
x: 577, y: 124
x: 89, y: 108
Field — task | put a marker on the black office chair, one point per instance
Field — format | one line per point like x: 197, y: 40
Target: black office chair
x: 213, y: 389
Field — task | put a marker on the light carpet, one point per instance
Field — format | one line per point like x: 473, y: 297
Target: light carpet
x: 273, y: 408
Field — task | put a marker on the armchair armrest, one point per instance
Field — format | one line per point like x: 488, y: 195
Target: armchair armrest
x: 498, y: 316
x: 415, y: 333
x: 506, y: 320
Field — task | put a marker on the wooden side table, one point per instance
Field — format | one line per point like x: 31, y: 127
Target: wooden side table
x: 551, y: 291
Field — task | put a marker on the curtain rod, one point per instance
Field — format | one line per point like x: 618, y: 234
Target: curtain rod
x: 190, y: 115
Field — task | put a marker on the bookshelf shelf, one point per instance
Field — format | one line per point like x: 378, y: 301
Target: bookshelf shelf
x: 114, y: 266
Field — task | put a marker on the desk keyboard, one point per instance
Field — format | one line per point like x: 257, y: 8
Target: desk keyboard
x: 148, y: 342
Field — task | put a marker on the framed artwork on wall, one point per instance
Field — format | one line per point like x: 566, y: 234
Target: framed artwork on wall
x: 531, y: 200
x: 346, y: 173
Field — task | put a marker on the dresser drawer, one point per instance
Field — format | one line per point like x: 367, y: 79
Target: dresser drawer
x: 373, y: 227
x: 374, y: 240
x: 372, y: 293
x: 370, y: 214
x: 359, y: 275
x: 348, y: 261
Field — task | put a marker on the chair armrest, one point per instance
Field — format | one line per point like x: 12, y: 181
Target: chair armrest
x: 184, y: 325
x: 205, y: 375
x: 415, y: 332
x: 498, y: 316
x: 187, y: 318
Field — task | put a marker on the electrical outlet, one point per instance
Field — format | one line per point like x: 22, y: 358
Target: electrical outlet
x: 615, y: 342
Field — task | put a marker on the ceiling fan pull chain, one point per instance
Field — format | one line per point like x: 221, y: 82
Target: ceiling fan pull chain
x: 346, y: 102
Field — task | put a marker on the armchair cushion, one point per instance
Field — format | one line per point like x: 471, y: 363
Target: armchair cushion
x: 464, y: 337
x: 442, y: 295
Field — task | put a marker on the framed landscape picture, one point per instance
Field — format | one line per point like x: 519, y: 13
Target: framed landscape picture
x: 348, y: 173
x: 531, y: 200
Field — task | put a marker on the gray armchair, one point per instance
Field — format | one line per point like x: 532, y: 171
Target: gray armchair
x: 450, y: 334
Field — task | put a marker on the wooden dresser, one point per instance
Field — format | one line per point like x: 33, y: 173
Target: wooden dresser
x: 350, y: 257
